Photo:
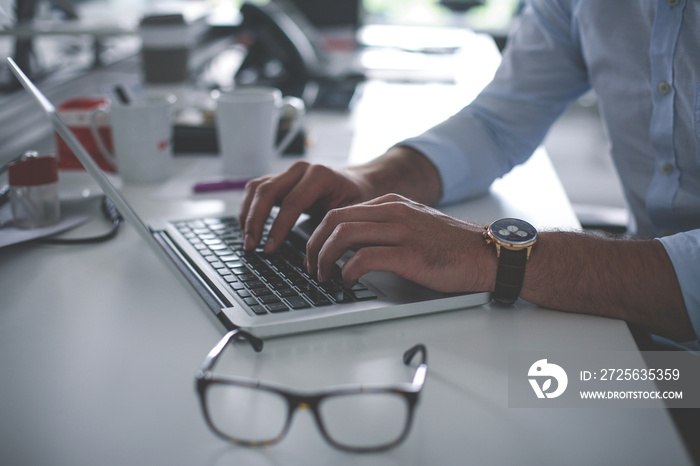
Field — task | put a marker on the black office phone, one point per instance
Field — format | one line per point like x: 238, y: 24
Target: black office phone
x: 284, y: 51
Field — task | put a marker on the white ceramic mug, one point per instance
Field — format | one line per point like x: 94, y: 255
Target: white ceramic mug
x: 246, y: 123
x: 142, y: 139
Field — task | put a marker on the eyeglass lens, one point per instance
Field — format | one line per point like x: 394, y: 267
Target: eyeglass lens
x: 246, y: 414
x: 364, y: 420
x: 357, y: 421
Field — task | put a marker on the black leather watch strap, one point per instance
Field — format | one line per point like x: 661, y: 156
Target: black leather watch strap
x: 510, y: 275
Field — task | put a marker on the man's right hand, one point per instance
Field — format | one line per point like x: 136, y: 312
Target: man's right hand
x: 295, y: 191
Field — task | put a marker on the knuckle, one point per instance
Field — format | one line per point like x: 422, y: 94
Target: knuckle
x: 300, y: 165
x: 318, y: 170
x: 334, y: 219
x: 252, y: 185
x: 402, y: 207
x: 332, y: 216
x: 266, y: 188
x: 343, y: 230
x: 393, y: 198
x: 292, y: 201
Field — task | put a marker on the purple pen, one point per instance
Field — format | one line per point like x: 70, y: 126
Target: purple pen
x: 223, y: 185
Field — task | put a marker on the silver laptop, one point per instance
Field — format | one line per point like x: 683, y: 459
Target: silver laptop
x: 268, y: 295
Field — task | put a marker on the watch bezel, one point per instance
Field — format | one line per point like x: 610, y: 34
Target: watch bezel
x: 512, y: 244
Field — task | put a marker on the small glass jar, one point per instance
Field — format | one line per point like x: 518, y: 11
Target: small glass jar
x: 34, y: 191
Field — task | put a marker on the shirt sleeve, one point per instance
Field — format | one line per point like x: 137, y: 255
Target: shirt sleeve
x: 684, y: 251
x: 541, y: 72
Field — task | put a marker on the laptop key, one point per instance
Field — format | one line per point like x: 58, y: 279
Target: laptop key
x: 255, y: 285
x: 277, y: 307
x: 364, y: 295
x: 259, y: 292
x: 316, y: 297
x: 269, y: 299
x: 237, y: 286
x: 259, y: 309
x: 286, y: 292
x: 297, y: 302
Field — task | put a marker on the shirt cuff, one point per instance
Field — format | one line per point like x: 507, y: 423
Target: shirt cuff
x: 684, y: 251
x: 450, y: 162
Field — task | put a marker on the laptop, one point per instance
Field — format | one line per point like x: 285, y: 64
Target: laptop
x: 267, y: 295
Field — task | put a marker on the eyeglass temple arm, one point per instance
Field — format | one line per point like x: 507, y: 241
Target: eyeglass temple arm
x: 422, y: 369
x: 214, y: 354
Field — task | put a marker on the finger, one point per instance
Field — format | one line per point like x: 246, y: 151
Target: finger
x: 365, y: 212
x: 264, y: 194
x: 333, y: 218
x: 354, y: 235
x: 249, y: 192
x: 316, y: 182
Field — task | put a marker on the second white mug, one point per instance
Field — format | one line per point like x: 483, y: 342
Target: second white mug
x: 246, y: 122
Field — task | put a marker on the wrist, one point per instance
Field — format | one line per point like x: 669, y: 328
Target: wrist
x: 403, y: 171
x: 513, y: 240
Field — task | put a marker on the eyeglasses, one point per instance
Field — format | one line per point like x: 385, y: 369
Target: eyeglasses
x: 355, y: 418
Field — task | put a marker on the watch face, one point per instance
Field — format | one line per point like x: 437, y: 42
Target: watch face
x: 513, y: 231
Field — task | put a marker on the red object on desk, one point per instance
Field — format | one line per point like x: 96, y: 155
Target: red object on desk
x: 77, y: 113
x: 33, y: 171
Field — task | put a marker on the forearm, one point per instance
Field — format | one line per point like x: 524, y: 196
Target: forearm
x: 632, y: 280
x: 404, y: 171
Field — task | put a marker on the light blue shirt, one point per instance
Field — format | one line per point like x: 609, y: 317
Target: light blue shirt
x: 642, y: 58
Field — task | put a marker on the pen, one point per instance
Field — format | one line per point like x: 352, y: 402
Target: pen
x: 122, y: 95
x: 223, y: 185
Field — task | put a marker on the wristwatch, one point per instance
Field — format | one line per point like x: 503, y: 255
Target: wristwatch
x: 514, y: 240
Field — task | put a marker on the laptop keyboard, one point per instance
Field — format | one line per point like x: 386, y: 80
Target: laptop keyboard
x: 268, y: 283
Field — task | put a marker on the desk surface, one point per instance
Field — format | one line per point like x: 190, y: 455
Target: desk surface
x: 99, y: 345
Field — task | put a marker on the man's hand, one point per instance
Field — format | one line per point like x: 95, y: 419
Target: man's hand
x: 296, y: 190
x: 632, y: 280
x: 395, y: 234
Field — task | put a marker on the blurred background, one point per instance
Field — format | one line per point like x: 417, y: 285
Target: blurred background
x: 58, y: 41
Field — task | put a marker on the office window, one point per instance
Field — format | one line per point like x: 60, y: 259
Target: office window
x: 489, y: 15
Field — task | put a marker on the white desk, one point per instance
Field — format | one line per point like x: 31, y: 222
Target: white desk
x: 99, y: 345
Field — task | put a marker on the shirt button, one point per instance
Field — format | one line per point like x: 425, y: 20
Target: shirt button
x: 664, y: 88
x: 673, y: 3
x: 666, y: 169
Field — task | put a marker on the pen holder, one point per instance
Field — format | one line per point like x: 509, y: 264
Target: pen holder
x: 34, y: 191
